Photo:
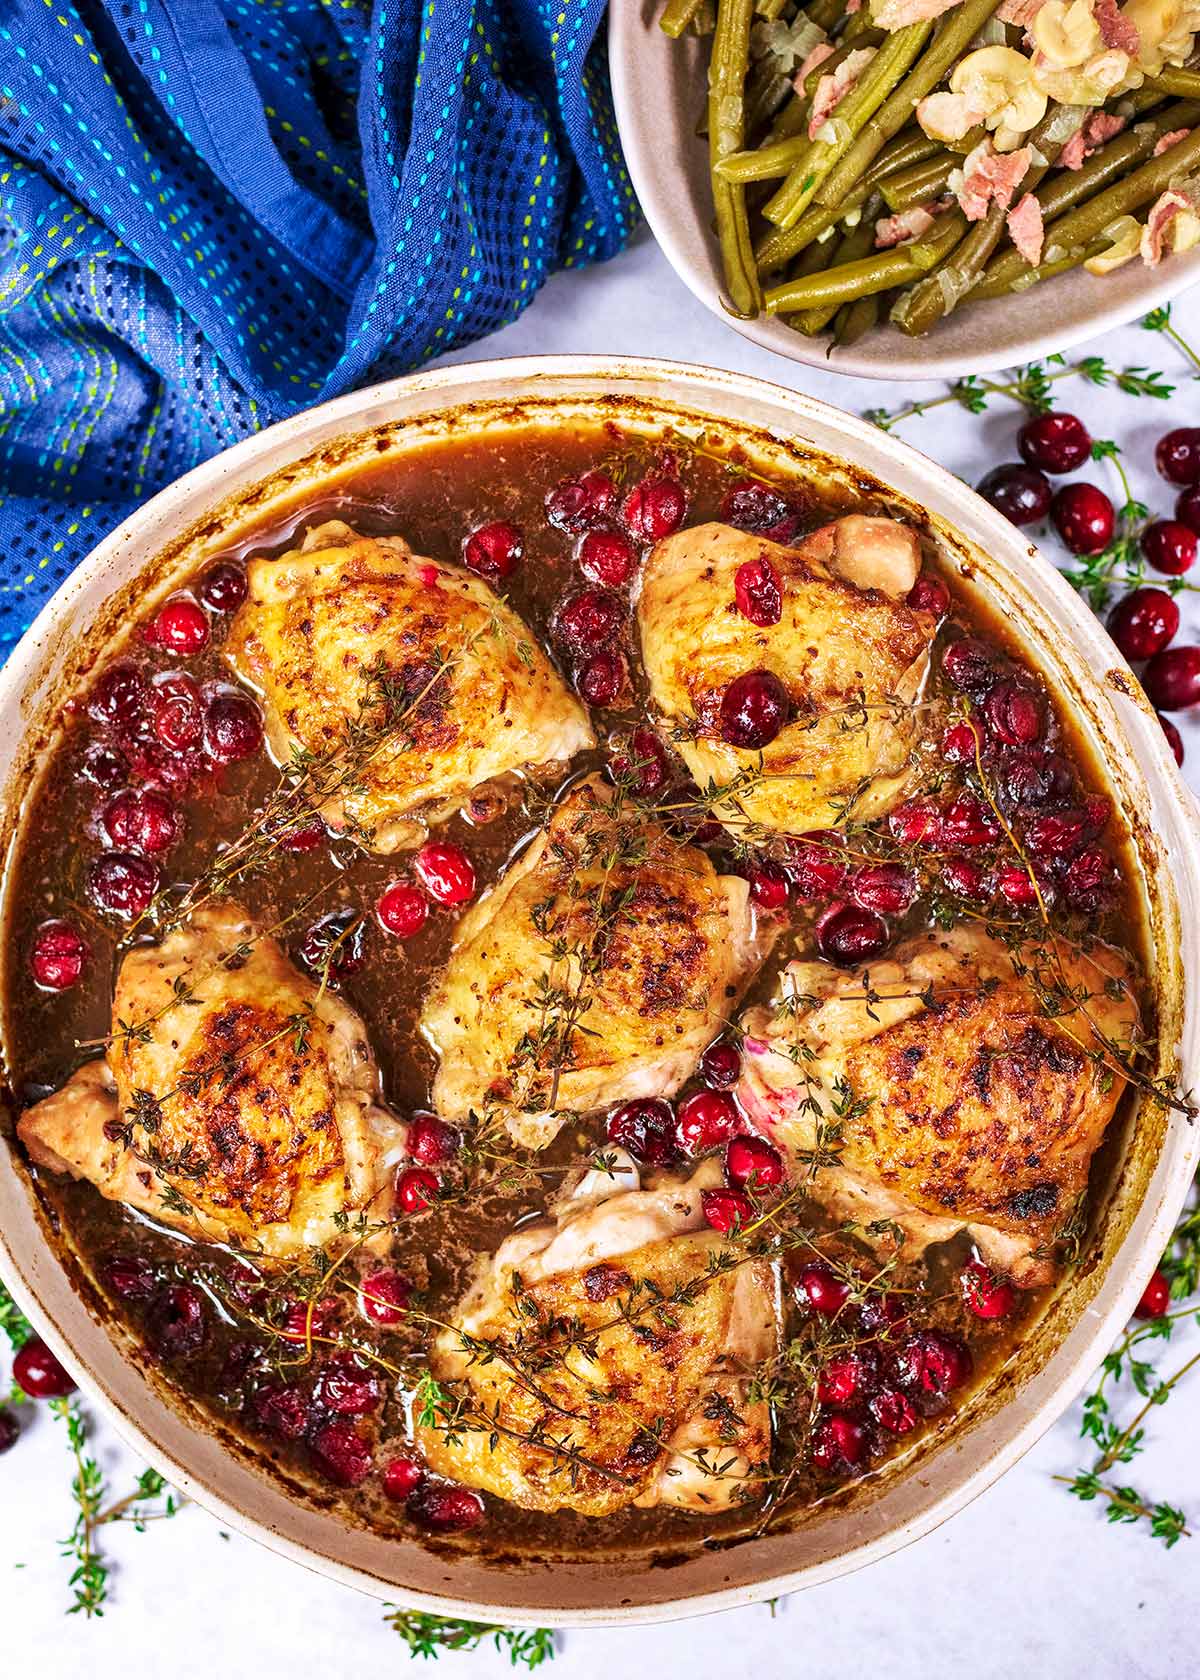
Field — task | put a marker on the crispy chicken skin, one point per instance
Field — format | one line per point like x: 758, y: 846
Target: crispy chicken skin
x: 650, y: 1408
x: 320, y: 620
x: 980, y: 1110
x: 845, y: 638
x: 671, y: 946
x: 253, y: 1099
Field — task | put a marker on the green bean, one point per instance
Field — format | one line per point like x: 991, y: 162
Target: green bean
x: 920, y: 183
x: 858, y: 242
x: 677, y: 14
x: 726, y: 119
x: 1185, y: 84
x: 788, y: 140
x: 990, y: 287
x: 825, y: 13
x: 855, y: 320
x: 876, y: 273
x: 766, y: 97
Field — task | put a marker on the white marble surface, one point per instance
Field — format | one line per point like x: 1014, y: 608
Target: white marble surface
x: 1024, y: 1582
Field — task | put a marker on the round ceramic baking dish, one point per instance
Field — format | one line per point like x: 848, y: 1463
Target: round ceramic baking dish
x: 268, y: 478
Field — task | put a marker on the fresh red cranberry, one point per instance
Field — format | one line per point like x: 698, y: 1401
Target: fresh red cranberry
x: 602, y: 679
x: 181, y: 626
x: 1035, y: 778
x: 445, y: 871
x: 1054, y: 443
x: 341, y: 1453
x: 986, y: 1295
x: 589, y: 620
x: 646, y: 1129
x: 887, y: 888
x: 916, y: 823
x: 967, y: 821
x: 1084, y: 518
x: 233, y: 728
x: 118, y: 696
x: 333, y: 946
x: 721, y: 1065
x: 824, y: 1291
x: 1177, y: 455
x: 607, y: 557
x: 176, y: 711
x: 1014, y: 714
x: 10, y: 1430
x: 1143, y: 623
x: 750, y: 505
x: 1058, y: 834
x: 654, y: 508
x: 103, y: 767
x: 144, y: 821
x: 347, y: 1386
x: 754, y: 708
x: 964, y: 877
x: 1155, y: 1300
x: 401, y: 1476
x: 432, y: 1140
x: 282, y: 1409
x: 1020, y: 493
x: 726, y: 1210
x: 177, y: 1322
x: 758, y: 592
x: 968, y: 664
x: 444, y: 1508
x: 1187, y: 508
x: 893, y: 1411
x: 960, y: 743
x: 122, y: 884
x: 223, y: 587
x: 641, y: 764
x: 847, y: 1377
x: 58, y: 955
x: 705, y: 1120
x: 383, y: 1297
x: 130, y: 1277
x: 402, y: 909
x: 770, y: 885
x: 577, y: 503
x: 1169, y: 546
x: 753, y: 1163
x: 416, y: 1189
x: 847, y: 934
x: 816, y: 869
x: 1172, y: 679
x: 933, y: 1362
x: 494, y: 551
x: 838, y: 1441
x: 1090, y: 881
x: 1174, y: 738
x: 38, y: 1373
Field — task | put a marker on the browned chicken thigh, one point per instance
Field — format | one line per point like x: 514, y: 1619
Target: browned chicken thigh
x: 410, y: 678
x: 964, y: 1102
x: 836, y: 631
x: 237, y: 1102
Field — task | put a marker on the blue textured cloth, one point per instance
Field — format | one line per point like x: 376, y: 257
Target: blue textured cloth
x: 215, y: 213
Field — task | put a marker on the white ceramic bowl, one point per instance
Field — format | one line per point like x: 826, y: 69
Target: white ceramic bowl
x: 274, y: 472
x: 659, y: 88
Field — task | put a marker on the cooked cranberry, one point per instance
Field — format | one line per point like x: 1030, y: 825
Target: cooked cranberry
x: 770, y: 886
x: 402, y: 909
x: 847, y: 934
x: 577, y: 503
x: 602, y: 679
x: 607, y: 557
x: 1177, y: 455
x: 445, y: 871
x: 986, y: 1295
x: 232, y: 728
x: 416, y: 1189
x: 885, y: 1315
x: 143, y: 821
x: 1172, y: 679
x: 130, y: 1277
x: 757, y: 592
x: 933, y: 1362
x: 283, y: 1409
x: 494, y: 551
x: 960, y: 743
x: 121, y: 884
x: 333, y: 947
x: 750, y: 505
x: 726, y: 1210
x: 181, y: 626
x: 754, y: 708
x: 917, y: 823
x: 347, y: 1386
x: 847, y: 1377
x: 589, y: 620
x: 176, y: 711
x: 104, y: 768
x: 177, y: 1323
x: 1174, y: 738
x: 305, y: 839
x: 1020, y: 493
x: 888, y: 888
x: 816, y: 869
x: 1187, y: 508
x: 1058, y: 834
x: 341, y: 1453
x: 1033, y: 778
x: 58, y: 955
x: 721, y: 1065
x: 303, y: 1320
x: 964, y: 877
x: 967, y: 821
x: 825, y: 1292
x: 1169, y: 547
x: 432, y: 1140
x: 383, y: 1297
x: 753, y: 1163
x: 968, y: 664
x: 1143, y: 623
x: 706, y: 1119
x: 641, y: 764
x: 646, y: 1128
x: 1084, y: 518
x: 444, y: 1508
x: 893, y: 1411
x: 223, y: 587
x: 838, y: 1440
x: 1055, y: 443
x: 38, y: 1373
x: 654, y: 508
x: 118, y: 695
x: 1016, y: 887
x: 1014, y: 714
x: 1090, y: 882
x: 1155, y: 1301
x: 930, y: 595
x: 400, y: 1476
x: 9, y: 1430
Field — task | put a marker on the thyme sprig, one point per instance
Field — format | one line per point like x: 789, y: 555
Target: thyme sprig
x: 1159, y: 321
x: 1031, y: 387
x: 427, y: 1636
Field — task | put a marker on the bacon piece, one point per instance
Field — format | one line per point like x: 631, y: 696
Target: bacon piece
x: 817, y: 56
x: 948, y: 116
x: 1172, y: 225
x: 988, y: 174
x: 1025, y: 229
x: 1169, y: 140
x: 1116, y: 30
x: 896, y: 14
x: 1098, y: 128
x: 909, y: 224
x: 832, y: 89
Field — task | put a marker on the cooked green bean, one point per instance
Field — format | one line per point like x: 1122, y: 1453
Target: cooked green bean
x: 825, y: 13
x: 677, y: 14
x: 920, y: 183
x: 875, y: 273
x: 855, y: 320
x: 774, y: 159
x: 1000, y: 286
x: 858, y: 242
x: 1185, y: 84
x: 726, y: 130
